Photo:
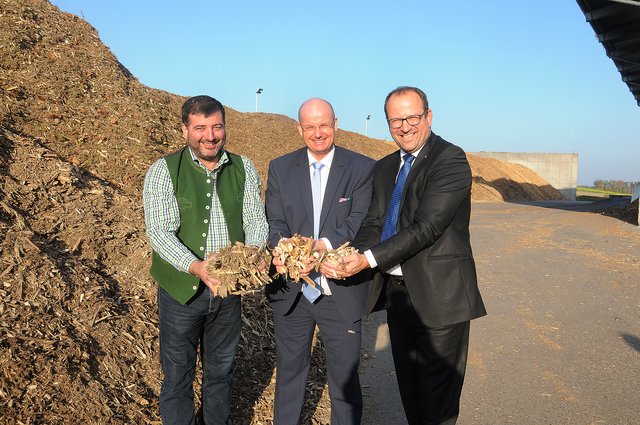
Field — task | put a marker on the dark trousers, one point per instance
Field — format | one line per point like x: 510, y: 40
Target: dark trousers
x: 430, y: 362
x: 341, y: 339
x: 215, y: 324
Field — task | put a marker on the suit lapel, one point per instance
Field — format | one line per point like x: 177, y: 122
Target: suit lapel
x: 336, y: 172
x: 418, y: 163
x: 389, y: 169
x: 303, y: 183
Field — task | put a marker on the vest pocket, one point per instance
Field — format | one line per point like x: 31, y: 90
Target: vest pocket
x: 184, y: 203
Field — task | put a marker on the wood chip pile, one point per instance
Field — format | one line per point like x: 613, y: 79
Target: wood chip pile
x: 78, y: 312
x: 495, y: 180
x: 628, y: 214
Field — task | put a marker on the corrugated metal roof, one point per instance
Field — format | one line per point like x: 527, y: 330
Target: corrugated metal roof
x: 617, y: 26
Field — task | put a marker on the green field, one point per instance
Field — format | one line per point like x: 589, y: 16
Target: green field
x: 598, y: 192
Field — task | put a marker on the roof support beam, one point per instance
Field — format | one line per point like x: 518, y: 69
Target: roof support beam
x: 618, y: 58
x: 628, y: 45
x: 603, y: 12
x: 622, y: 32
x: 626, y: 68
x: 616, y: 25
x: 631, y: 2
x: 622, y: 51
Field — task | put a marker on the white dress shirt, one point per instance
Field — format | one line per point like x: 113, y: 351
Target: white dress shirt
x: 324, y: 176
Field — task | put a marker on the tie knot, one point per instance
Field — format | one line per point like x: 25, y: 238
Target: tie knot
x: 317, y: 165
x: 408, y: 158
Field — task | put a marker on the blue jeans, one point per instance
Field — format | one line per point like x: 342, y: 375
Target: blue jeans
x: 214, y: 323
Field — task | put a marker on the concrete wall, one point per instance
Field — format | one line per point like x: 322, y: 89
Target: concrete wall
x: 636, y: 195
x: 559, y: 169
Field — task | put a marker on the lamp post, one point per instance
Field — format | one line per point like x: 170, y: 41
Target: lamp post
x: 366, y: 125
x: 257, y: 93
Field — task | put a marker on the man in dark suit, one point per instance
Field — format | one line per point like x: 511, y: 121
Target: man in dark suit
x: 321, y: 191
x: 416, y: 239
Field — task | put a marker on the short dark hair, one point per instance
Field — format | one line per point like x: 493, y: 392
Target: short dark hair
x: 205, y: 105
x: 404, y: 89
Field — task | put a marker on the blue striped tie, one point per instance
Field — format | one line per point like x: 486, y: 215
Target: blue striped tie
x: 310, y: 292
x: 391, y: 220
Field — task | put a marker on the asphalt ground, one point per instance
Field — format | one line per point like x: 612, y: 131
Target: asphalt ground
x: 561, y: 342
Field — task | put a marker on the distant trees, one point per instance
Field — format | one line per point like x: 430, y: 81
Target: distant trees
x: 614, y: 185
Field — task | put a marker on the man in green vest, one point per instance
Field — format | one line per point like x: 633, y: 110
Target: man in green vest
x: 196, y: 201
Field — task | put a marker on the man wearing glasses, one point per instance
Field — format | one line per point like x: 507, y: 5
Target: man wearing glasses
x: 416, y: 239
x: 321, y: 191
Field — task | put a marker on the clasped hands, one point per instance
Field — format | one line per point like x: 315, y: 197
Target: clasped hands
x: 348, y: 266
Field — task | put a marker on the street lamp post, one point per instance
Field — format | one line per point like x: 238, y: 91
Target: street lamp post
x: 257, y: 93
x: 366, y: 125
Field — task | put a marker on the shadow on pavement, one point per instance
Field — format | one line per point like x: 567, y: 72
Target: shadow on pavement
x: 632, y: 341
x: 616, y: 206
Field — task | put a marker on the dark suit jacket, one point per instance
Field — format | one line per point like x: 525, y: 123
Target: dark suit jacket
x: 432, y: 240
x: 289, y: 207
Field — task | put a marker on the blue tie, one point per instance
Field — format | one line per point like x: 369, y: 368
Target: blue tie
x: 309, y: 291
x: 391, y: 220
x: 316, y: 191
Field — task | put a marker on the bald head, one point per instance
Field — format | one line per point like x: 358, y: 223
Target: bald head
x: 317, y: 124
x: 315, y: 106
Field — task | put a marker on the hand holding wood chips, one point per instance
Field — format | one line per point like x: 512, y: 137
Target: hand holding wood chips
x: 297, y: 256
x: 335, y: 258
x: 240, y: 269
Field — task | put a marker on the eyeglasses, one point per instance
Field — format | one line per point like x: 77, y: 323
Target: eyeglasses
x: 412, y: 120
x: 324, y: 128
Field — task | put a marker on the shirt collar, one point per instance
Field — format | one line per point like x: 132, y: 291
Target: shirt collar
x: 326, y: 161
x: 414, y: 154
x: 223, y: 160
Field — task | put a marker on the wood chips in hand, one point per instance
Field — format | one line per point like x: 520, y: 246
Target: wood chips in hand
x: 240, y: 268
x: 297, y: 254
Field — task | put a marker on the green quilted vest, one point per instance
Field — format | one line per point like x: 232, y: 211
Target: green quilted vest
x: 193, y: 190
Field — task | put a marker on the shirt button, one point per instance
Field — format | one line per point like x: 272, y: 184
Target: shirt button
x: 195, y: 288
x: 201, y: 248
x: 208, y: 195
x: 204, y: 235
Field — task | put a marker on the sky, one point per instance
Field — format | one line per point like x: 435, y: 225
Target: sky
x: 500, y: 75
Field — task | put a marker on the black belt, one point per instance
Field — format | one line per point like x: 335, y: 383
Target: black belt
x: 398, y: 279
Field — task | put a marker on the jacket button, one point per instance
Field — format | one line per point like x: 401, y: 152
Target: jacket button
x: 201, y: 248
x: 208, y: 180
x: 206, y: 221
x: 208, y: 195
x: 204, y: 235
x: 195, y: 288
